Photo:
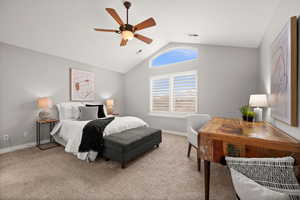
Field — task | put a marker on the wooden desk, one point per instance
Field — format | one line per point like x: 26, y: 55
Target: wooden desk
x: 222, y: 137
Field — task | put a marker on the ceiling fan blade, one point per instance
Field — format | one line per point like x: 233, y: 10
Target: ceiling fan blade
x: 145, y: 24
x: 143, y: 38
x: 123, y: 42
x: 115, y: 15
x: 106, y: 30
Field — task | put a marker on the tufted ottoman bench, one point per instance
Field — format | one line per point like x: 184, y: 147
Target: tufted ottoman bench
x: 129, y: 144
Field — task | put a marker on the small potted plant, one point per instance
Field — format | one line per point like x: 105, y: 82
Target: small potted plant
x: 244, y: 110
x: 248, y: 114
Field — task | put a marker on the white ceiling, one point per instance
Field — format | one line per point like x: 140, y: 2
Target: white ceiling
x: 65, y: 27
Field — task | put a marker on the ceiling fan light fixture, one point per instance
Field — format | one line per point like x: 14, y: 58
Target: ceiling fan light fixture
x: 127, y: 35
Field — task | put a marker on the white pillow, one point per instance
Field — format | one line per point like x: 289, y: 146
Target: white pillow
x: 248, y: 189
x: 69, y: 110
x: 76, y: 111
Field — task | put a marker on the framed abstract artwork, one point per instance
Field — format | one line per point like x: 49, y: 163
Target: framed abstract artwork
x: 82, y: 85
x: 284, y: 75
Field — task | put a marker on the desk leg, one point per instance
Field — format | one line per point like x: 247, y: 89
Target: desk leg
x: 206, y: 178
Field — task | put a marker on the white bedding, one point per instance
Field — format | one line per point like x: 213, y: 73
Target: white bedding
x: 71, y: 132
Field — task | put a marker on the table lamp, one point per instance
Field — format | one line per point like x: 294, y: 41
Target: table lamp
x: 258, y: 101
x: 109, y: 105
x: 44, y: 103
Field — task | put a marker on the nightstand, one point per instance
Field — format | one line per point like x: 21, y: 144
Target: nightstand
x: 52, y: 143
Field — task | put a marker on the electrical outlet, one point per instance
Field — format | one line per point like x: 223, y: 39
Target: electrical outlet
x: 5, y: 137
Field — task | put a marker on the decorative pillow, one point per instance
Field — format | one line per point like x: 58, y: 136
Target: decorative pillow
x: 250, y: 190
x: 76, y: 112
x: 100, y: 108
x: 88, y: 113
x: 276, y: 174
x: 97, y: 103
x: 67, y: 110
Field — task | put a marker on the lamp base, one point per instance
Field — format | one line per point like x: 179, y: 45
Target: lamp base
x: 44, y: 115
x: 258, y: 114
x: 109, y: 111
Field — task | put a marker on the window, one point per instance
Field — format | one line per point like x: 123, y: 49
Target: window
x: 174, y: 93
x: 174, y: 56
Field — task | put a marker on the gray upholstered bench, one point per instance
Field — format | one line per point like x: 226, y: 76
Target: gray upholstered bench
x: 129, y: 144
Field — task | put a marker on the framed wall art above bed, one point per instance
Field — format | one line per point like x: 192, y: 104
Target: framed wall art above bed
x: 82, y: 85
x: 284, y: 74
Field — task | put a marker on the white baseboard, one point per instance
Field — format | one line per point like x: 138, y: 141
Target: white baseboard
x: 19, y: 147
x: 175, y: 132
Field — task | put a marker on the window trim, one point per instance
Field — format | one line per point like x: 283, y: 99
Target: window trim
x: 171, y: 76
x: 170, y: 49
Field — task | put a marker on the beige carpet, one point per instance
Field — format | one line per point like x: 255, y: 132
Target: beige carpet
x: 164, y: 173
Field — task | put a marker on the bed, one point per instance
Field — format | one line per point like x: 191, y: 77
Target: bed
x: 68, y: 131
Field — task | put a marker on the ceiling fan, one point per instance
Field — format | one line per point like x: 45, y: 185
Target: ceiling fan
x: 127, y: 31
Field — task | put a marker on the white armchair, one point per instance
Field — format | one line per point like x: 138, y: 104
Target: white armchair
x: 194, y: 123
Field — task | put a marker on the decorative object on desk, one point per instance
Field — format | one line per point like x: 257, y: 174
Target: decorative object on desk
x: 248, y: 114
x: 82, y: 85
x: 110, y: 105
x: 44, y: 103
x: 258, y: 101
x: 284, y: 75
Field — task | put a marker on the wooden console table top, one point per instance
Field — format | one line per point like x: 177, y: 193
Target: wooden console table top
x: 260, y: 134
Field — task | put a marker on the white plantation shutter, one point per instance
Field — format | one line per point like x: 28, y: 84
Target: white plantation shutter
x: 185, y: 93
x: 174, y: 93
x: 160, y: 97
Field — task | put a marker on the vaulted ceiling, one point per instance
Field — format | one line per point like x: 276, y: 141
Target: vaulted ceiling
x: 64, y: 28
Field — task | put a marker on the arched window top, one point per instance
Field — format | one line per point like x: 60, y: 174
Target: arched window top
x: 174, y: 56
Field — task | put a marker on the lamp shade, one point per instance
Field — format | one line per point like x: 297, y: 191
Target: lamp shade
x: 258, y: 100
x: 109, y: 102
x: 44, y: 102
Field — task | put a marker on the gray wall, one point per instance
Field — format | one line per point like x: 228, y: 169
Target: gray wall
x: 26, y: 75
x: 226, y: 75
x: 285, y: 10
